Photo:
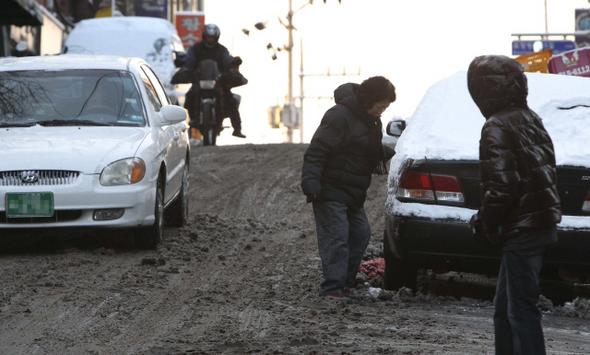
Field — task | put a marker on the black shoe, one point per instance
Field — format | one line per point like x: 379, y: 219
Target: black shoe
x: 339, y: 297
x: 238, y: 134
x: 348, y: 293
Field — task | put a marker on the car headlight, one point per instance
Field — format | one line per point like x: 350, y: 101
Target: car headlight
x: 123, y: 172
x: 207, y: 84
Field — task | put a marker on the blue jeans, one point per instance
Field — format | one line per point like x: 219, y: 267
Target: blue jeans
x: 517, y: 320
x: 343, y: 236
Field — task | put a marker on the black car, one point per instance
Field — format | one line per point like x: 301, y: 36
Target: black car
x: 433, y: 187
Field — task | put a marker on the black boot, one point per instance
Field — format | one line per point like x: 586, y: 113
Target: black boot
x: 238, y: 134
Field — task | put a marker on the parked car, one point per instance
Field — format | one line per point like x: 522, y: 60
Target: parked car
x: 91, y: 141
x: 153, y: 39
x: 433, y: 186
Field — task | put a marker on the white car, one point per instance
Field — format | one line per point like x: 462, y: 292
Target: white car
x: 91, y: 141
x: 152, y: 39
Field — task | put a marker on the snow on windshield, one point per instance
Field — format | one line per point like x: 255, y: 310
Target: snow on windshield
x: 447, y: 125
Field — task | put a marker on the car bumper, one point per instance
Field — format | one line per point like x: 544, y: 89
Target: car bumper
x: 449, y: 245
x: 75, y: 204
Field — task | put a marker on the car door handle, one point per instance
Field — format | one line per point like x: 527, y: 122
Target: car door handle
x: 176, y: 136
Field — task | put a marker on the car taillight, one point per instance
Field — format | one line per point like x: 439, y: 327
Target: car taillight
x: 420, y: 186
x: 586, y: 205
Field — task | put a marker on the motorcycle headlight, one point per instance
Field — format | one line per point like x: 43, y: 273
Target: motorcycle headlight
x: 207, y: 84
x: 123, y: 172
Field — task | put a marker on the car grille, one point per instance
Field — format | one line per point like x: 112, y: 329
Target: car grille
x: 38, y: 177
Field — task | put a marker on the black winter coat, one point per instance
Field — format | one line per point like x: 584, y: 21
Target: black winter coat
x: 517, y: 159
x: 199, y: 51
x: 344, y: 151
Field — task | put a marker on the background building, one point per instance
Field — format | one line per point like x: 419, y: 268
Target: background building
x: 38, y: 27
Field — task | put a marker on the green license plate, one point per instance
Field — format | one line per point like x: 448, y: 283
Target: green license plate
x: 35, y: 204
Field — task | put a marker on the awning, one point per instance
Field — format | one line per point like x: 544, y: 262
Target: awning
x: 20, y: 13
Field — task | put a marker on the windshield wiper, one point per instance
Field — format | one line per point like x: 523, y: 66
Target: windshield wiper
x: 72, y: 123
x: 17, y: 124
x: 573, y: 107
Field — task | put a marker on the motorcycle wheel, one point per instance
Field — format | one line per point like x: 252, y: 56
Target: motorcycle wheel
x: 208, y: 127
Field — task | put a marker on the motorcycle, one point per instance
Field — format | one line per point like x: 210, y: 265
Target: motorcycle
x: 209, y: 101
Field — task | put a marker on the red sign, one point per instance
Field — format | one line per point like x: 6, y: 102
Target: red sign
x: 190, y: 25
x: 575, y: 62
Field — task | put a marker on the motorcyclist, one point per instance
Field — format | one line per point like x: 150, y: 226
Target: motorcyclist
x: 210, y: 48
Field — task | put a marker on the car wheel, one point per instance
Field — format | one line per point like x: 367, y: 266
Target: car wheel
x: 177, y: 212
x: 398, y: 272
x: 149, y: 237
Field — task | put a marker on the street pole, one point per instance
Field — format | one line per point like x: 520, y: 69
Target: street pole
x: 289, y: 49
x: 301, y: 92
x: 546, y: 27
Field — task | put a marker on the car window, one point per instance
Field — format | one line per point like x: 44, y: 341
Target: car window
x: 160, y: 91
x: 70, y: 97
x: 151, y: 91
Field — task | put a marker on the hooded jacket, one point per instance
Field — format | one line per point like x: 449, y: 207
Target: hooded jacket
x: 344, y: 151
x: 516, y: 155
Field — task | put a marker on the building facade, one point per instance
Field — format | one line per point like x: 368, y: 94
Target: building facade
x: 39, y: 27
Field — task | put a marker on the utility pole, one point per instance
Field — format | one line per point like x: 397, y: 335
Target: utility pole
x: 289, y: 49
x: 546, y: 27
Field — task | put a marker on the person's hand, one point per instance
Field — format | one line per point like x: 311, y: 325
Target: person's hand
x: 477, y: 230
x: 476, y: 226
x: 237, y: 61
x: 314, y: 197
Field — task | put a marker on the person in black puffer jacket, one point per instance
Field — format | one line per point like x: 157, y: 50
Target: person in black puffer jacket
x: 520, y: 203
x: 344, y: 151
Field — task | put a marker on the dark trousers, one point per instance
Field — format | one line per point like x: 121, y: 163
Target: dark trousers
x: 343, y: 236
x: 233, y: 111
x: 517, y: 320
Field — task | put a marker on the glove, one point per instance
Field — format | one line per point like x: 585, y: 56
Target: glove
x: 237, y: 61
x: 476, y: 227
x: 314, y: 198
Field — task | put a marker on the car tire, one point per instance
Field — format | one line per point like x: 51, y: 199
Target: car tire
x: 398, y: 273
x: 149, y: 237
x: 177, y: 212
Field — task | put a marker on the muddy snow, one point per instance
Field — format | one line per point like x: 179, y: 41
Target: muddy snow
x: 242, y: 278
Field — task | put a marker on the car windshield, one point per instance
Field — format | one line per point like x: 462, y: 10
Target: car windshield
x: 69, y: 97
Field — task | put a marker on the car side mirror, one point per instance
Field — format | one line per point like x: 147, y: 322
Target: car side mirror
x: 395, y: 127
x: 171, y: 114
x: 179, y: 58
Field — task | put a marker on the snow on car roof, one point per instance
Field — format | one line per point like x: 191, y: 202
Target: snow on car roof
x: 137, y: 23
x: 60, y: 62
x: 447, y: 123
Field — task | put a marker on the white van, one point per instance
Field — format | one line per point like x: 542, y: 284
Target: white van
x: 153, y: 39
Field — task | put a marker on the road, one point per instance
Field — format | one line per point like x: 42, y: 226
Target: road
x: 241, y: 278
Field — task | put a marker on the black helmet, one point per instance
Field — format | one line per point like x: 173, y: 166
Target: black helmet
x: 211, y: 35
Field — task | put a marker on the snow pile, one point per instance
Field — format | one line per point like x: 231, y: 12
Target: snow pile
x: 578, y: 308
